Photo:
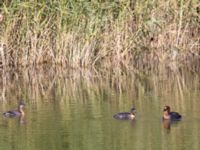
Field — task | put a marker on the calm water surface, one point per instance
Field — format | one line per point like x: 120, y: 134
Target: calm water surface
x: 76, y: 112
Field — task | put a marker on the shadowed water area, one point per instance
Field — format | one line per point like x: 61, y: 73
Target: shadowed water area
x: 74, y: 110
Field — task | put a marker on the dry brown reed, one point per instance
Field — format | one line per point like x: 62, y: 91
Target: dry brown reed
x: 121, y: 35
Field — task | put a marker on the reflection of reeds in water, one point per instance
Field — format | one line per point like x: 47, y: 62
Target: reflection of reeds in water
x: 49, y: 84
x: 84, y: 85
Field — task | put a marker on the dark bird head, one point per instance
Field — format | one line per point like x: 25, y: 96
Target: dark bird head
x: 21, y: 105
x: 133, y: 110
x: 166, y: 108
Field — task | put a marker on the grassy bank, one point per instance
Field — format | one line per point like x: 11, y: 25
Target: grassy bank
x: 102, y: 34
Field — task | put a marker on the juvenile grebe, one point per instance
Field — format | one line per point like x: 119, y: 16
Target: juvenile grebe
x: 15, y: 113
x: 126, y: 115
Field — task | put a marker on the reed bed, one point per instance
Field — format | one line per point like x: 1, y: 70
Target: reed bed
x: 120, y: 35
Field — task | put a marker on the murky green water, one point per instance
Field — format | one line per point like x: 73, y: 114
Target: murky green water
x: 74, y: 111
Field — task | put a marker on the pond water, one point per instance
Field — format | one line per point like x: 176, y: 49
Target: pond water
x: 74, y: 110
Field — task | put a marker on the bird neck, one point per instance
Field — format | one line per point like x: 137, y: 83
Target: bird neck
x: 21, y: 111
x: 166, y: 115
x: 132, y: 116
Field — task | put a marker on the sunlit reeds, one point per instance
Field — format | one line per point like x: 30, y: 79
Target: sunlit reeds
x: 100, y: 34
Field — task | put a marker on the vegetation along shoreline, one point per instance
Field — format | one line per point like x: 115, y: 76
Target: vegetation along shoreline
x: 101, y: 34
